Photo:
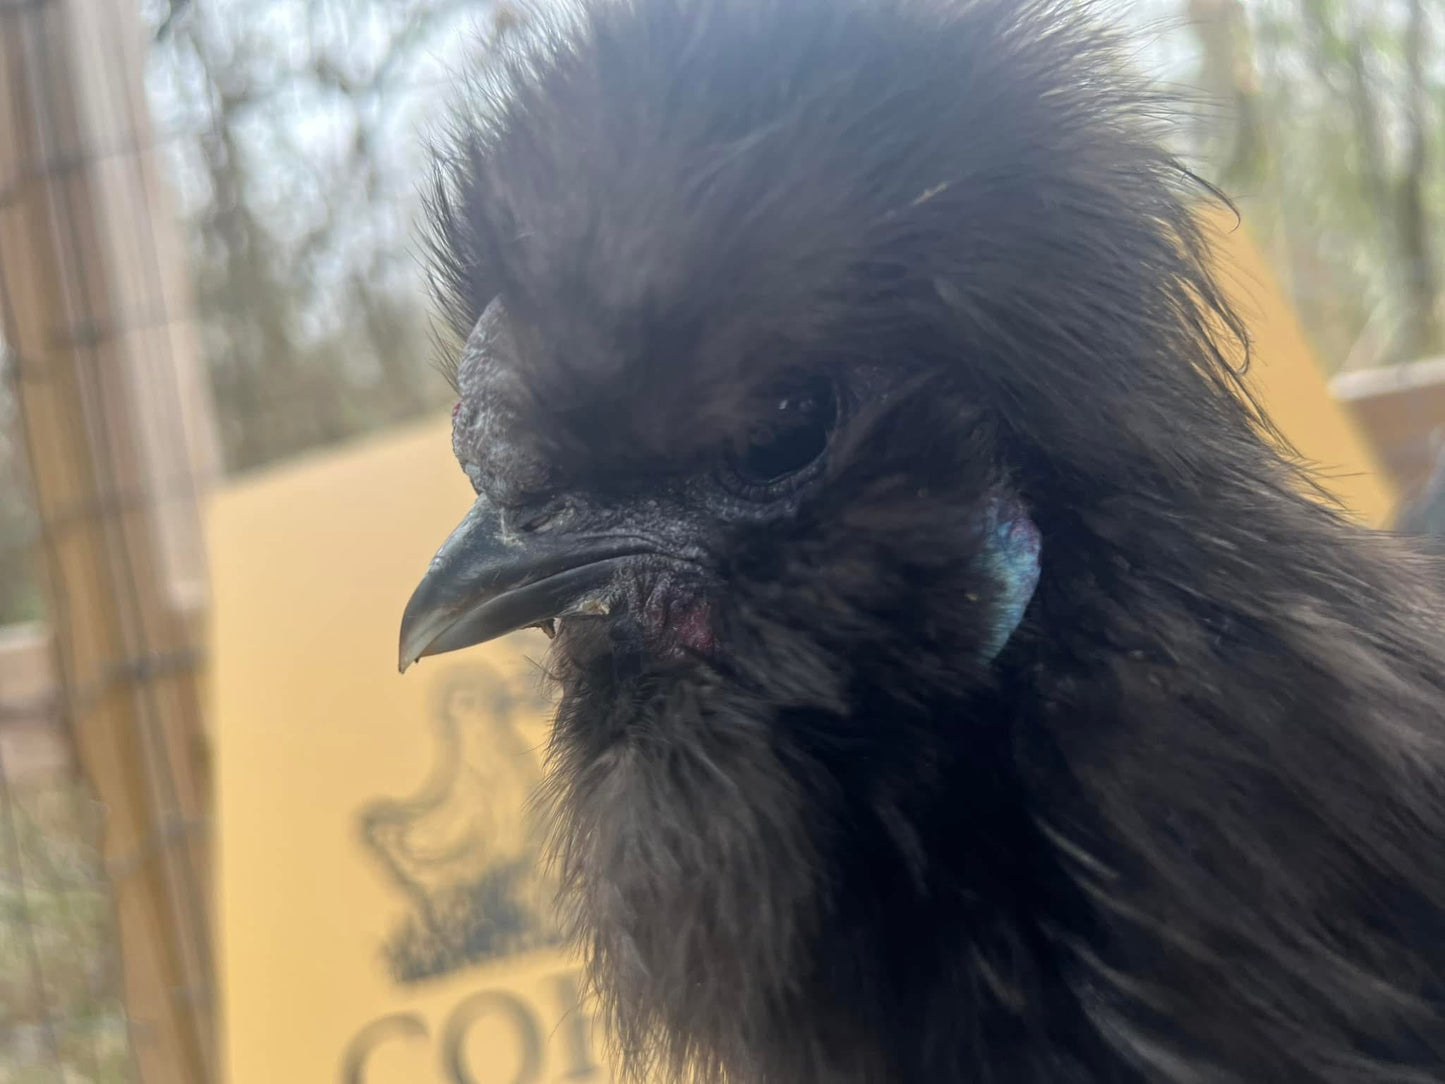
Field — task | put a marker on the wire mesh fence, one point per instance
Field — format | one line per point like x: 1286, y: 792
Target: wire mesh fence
x: 95, y: 315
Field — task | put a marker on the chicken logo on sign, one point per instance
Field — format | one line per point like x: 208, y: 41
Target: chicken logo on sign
x: 463, y: 849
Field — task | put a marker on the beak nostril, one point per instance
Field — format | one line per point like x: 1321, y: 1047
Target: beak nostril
x: 537, y: 521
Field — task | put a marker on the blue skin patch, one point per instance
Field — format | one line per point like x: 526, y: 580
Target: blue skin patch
x: 1012, y: 558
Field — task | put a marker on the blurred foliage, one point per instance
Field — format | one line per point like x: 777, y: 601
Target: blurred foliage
x: 1324, y: 122
x: 19, y: 585
x: 69, y: 1027
x: 296, y: 147
x: 293, y: 133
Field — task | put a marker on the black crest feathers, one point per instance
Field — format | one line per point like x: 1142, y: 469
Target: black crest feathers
x: 1188, y: 826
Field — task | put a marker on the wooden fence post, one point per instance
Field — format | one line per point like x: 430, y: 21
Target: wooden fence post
x: 116, y: 429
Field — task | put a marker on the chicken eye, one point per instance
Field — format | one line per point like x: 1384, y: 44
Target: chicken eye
x: 791, y: 436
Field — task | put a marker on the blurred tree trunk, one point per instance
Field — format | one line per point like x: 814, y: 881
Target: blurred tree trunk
x: 1221, y: 29
x: 1420, y: 334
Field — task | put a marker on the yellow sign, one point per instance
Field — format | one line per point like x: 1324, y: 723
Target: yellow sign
x: 1287, y: 380
x: 382, y: 913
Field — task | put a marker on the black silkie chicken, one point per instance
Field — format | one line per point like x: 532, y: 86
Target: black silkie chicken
x: 957, y: 684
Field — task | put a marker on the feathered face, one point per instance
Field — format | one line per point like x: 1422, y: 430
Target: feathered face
x: 809, y: 512
x: 808, y: 346
x: 755, y: 612
x: 715, y: 388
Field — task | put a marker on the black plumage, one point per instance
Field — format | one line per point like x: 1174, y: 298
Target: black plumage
x: 789, y: 325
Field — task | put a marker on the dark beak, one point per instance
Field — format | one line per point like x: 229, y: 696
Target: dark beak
x: 486, y: 581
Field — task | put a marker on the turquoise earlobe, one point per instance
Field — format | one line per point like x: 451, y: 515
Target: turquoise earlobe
x: 1012, y: 558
